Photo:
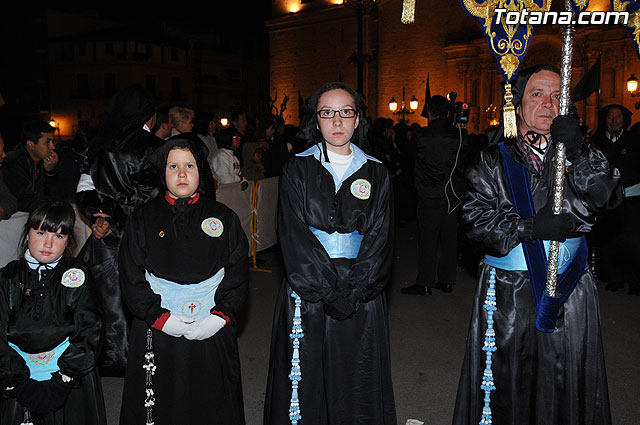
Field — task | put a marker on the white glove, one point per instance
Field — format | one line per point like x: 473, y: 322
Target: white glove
x: 206, y: 327
x: 177, y: 325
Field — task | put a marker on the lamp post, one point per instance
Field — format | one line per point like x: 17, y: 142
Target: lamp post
x: 393, y: 107
x: 361, y: 7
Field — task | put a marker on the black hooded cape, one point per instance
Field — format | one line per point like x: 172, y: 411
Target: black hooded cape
x: 118, y: 161
x: 196, y: 382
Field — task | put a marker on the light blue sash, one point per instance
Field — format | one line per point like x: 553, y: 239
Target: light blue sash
x: 515, y: 259
x: 42, y: 365
x: 193, y: 300
x: 339, y: 245
x: 632, y: 190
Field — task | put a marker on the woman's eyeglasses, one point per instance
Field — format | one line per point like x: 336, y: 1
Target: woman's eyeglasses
x: 330, y: 113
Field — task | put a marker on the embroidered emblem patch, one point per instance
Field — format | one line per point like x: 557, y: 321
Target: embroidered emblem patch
x: 564, y: 256
x: 191, y: 308
x: 212, y: 227
x: 361, y: 189
x: 41, y: 358
x: 73, y: 278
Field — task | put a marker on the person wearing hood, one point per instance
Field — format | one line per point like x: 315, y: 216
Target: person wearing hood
x: 335, y: 228
x: 618, y: 234
x: 209, y: 183
x: 117, y: 178
x: 184, y: 273
x: 555, y: 375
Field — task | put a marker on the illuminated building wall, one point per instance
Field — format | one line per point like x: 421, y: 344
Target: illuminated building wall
x: 311, y: 47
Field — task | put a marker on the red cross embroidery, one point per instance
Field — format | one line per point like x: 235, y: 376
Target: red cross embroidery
x: 191, y: 307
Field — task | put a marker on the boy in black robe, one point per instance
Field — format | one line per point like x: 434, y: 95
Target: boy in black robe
x: 184, y: 272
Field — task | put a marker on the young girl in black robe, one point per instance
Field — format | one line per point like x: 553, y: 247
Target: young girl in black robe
x: 184, y: 272
x: 330, y: 361
x: 50, y: 329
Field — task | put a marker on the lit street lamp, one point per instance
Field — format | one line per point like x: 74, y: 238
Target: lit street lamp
x: 632, y: 85
x: 632, y: 88
x: 393, y: 106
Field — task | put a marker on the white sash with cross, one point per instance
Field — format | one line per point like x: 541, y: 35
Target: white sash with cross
x: 190, y: 300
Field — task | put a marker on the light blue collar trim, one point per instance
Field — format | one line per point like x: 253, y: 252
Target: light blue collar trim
x: 632, y: 190
x: 359, y: 159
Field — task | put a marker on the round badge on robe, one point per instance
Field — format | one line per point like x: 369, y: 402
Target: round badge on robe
x: 361, y: 189
x: 191, y: 308
x: 212, y: 227
x: 73, y: 278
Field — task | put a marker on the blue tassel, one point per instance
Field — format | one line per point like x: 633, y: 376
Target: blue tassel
x: 489, y: 347
x: 296, y: 374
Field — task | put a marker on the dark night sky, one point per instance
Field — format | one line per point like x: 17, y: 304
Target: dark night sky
x: 230, y: 15
x: 23, y: 63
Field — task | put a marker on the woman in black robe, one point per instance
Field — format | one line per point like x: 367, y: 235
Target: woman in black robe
x: 534, y: 377
x: 50, y: 329
x: 118, y: 177
x: 330, y: 361
x: 184, y: 272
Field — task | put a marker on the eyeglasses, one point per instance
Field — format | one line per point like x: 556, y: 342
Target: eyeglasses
x: 326, y: 114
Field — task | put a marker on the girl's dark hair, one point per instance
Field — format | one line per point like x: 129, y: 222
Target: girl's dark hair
x: 50, y: 215
x: 310, y: 121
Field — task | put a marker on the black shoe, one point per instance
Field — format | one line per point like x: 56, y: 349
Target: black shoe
x: 634, y: 288
x: 416, y: 289
x: 444, y: 287
x: 614, y: 286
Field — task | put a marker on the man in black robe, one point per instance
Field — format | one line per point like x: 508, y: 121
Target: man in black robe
x: 534, y: 377
x: 618, y: 234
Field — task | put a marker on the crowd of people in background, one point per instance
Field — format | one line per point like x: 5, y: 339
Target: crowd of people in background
x: 251, y: 148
